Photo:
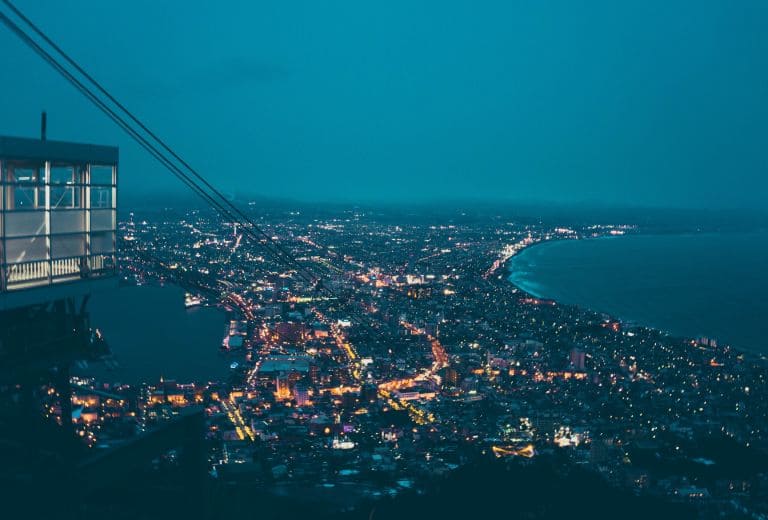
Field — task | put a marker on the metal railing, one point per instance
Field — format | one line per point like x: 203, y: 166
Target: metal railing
x: 23, y: 275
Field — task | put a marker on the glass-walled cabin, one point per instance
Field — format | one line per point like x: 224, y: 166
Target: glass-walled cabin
x: 58, y: 204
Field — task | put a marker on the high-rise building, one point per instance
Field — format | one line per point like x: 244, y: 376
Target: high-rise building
x: 451, y: 377
x: 577, y: 359
x: 301, y: 394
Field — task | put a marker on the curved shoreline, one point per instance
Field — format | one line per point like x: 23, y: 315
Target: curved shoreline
x: 526, y: 289
x: 508, y: 265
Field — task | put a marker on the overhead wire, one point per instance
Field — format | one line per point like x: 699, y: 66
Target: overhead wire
x: 215, y: 198
x: 224, y: 200
x: 266, y: 243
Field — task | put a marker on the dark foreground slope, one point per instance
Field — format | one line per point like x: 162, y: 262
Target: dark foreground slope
x: 485, y: 489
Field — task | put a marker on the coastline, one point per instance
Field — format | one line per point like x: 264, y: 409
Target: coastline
x: 529, y: 289
x: 507, y: 267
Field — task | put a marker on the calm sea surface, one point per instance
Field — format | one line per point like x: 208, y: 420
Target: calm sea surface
x: 152, y: 334
x: 710, y: 284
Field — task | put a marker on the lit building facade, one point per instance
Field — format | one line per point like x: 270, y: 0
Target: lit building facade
x: 58, y: 216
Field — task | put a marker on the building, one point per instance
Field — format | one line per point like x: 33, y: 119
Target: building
x: 282, y: 388
x: 301, y: 394
x: 284, y: 363
x: 577, y: 359
x: 58, y: 204
x: 451, y: 376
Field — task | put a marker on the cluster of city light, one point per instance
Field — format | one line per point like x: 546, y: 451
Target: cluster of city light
x: 235, y: 417
x: 528, y: 451
x: 506, y: 253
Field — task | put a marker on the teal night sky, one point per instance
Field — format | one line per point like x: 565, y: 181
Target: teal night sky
x: 617, y: 102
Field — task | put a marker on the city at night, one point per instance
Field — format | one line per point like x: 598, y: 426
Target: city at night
x: 352, y: 261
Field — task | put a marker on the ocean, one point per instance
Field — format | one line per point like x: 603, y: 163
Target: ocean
x: 689, y: 285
